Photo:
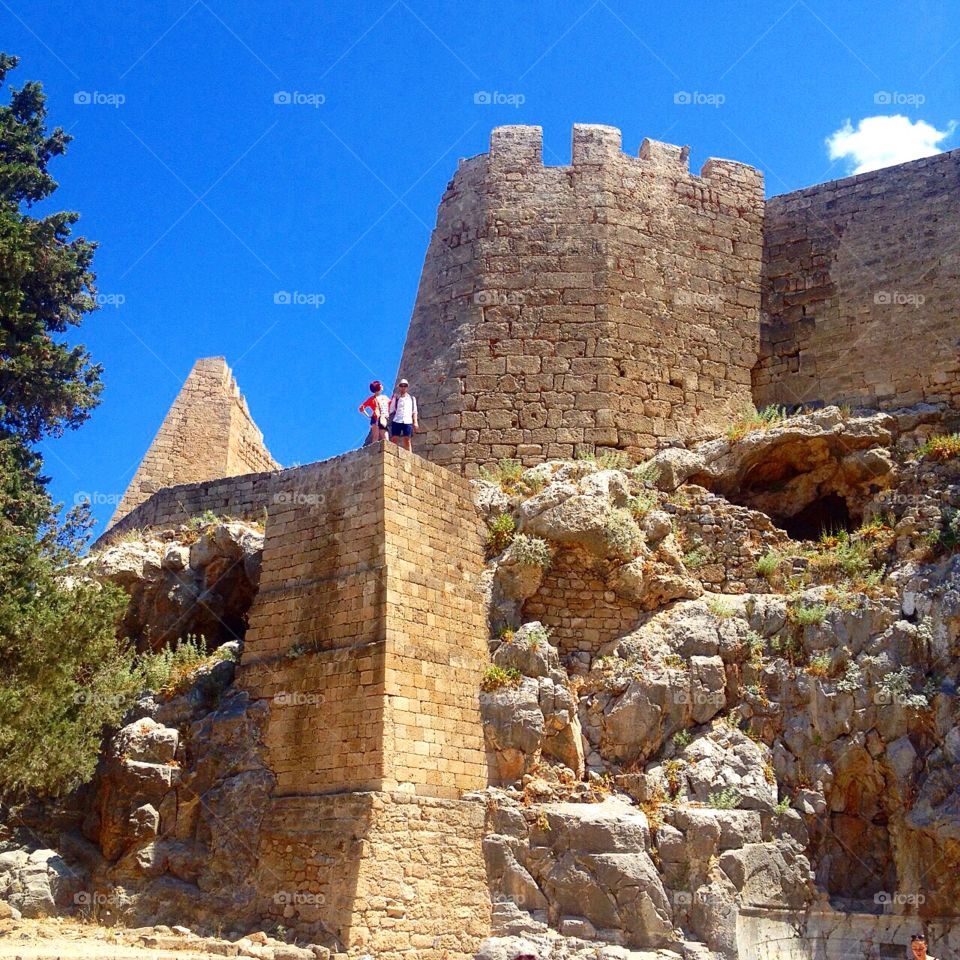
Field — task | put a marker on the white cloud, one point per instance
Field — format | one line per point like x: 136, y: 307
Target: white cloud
x: 881, y: 141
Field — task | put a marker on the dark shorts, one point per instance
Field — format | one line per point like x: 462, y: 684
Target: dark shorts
x: 401, y: 429
x: 374, y: 421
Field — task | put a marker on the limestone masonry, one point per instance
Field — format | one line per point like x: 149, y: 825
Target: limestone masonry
x: 617, y: 303
x: 860, y: 281
x: 207, y: 433
x: 611, y: 303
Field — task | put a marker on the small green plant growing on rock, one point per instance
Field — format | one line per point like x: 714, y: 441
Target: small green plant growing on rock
x: 206, y: 519
x: 641, y: 504
x: 852, y: 679
x: 672, y: 771
x: 820, y: 665
x: 698, y: 556
x: 755, y: 645
x: 783, y: 806
x: 623, y: 537
x: 166, y: 669
x: 896, y: 687
x: 497, y: 678
x: 720, y: 608
x: 681, y: 739
x: 940, y: 448
x: 808, y: 614
x: 726, y: 799
x: 768, y: 564
x: 613, y: 460
x: 645, y: 475
x: 531, y: 551
x: 537, y: 636
x: 500, y: 534
x: 506, y: 474
x: 752, y: 420
x: 505, y: 633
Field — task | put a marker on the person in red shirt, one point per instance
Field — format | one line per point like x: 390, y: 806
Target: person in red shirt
x: 376, y: 407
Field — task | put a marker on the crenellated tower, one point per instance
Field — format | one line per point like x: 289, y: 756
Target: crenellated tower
x: 612, y: 303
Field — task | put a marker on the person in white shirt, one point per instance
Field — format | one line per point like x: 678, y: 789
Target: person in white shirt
x: 404, y: 420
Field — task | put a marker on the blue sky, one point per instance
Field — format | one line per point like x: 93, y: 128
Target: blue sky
x: 208, y: 197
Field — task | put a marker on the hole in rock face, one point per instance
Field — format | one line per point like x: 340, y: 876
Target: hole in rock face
x: 827, y: 514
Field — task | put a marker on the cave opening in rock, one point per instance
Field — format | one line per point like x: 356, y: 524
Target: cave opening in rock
x: 827, y: 514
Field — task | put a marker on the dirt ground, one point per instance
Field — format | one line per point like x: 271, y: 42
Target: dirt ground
x: 67, y: 939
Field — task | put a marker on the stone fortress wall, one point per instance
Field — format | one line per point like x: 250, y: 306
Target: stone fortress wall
x: 367, y: 639
x: 860, y: 289
x: 613, y: 303
x: 207, y: 433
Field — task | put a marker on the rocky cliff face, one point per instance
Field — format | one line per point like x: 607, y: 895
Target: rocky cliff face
x: 691, y: 714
